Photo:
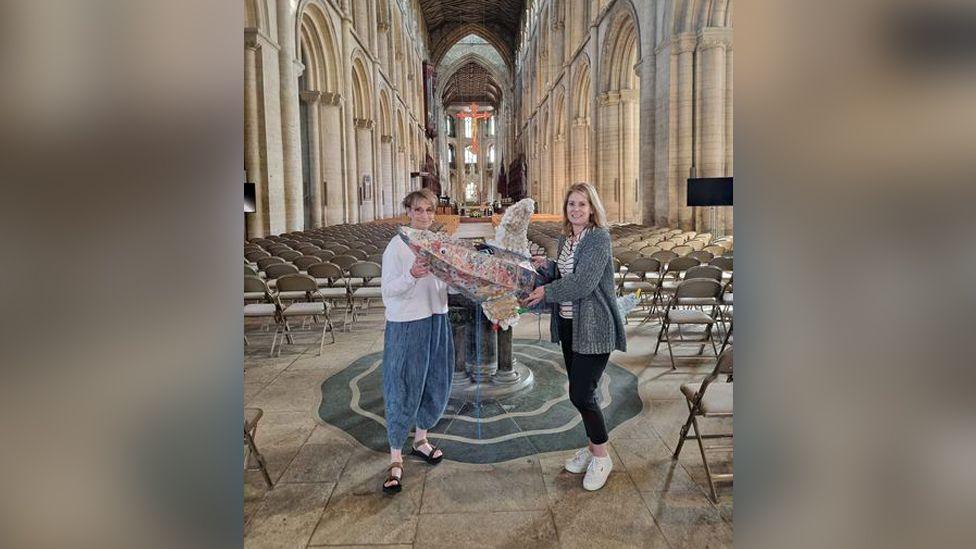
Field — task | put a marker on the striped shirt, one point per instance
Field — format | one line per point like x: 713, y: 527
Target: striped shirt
x: 565, y: 263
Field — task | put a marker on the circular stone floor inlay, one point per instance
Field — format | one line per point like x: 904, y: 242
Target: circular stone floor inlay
x: 487, y: 430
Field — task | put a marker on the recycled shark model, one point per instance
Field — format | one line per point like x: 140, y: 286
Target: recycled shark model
x: 498, y: 274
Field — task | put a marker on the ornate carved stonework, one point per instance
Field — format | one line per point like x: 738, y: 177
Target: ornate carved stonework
x: 363, y: 123
x: 330, y: 98
x: 386, y: 138
x: 683, y: 43
x: 309, y: 96
x: 714, y: 38
x: 609, y: 98
x: 251, y: 38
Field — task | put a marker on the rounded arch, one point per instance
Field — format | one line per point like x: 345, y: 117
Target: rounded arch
x: 361, y: 90
x: 559, y: 113
x: 581, y: 89
x: 621, y: 49
x: 317, y: 45
x: 386, y: 121
x: 694, y: 15
x: 400, y: 136
x: 256, y: 16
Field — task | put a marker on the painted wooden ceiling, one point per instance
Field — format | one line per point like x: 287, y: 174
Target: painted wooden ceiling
x: 497, y: 21
x: 472, y: 83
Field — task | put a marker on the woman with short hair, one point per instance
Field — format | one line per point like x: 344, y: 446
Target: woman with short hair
x: 418, y: 348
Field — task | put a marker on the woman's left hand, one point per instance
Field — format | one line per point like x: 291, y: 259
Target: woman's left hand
x: 535, y: 297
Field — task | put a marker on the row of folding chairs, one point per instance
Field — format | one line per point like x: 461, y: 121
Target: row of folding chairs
x: 354, y: 283
x: 297, y: 296
x: 303, y: 261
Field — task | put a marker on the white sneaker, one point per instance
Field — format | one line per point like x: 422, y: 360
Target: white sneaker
x: 579, y: 462
x: 597, y: 473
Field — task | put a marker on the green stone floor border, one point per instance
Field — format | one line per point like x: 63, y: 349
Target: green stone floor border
x: 485, y: 430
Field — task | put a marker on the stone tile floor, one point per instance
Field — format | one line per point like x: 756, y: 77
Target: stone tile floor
x: 327, y: 485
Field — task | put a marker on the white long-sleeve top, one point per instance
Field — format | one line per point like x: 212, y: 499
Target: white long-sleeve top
x: 407, y: 298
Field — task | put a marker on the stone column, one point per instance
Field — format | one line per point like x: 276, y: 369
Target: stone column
x: 252, y: 139
x: 609, y: 152
x: 311, y: 99
x: 684, y: 48
x: 331, y: 154
x: 506, y: 358
x: 351, y: 198
x: 581, y: 151
x: 404, y: 177
x: 629, y: 113
x: 383, y: 53
x: 386, y: 175
x: 558, y: 173
x: 289, y: 69
x: 593, y: 158
x: 364, y: 163
x: 712, y: 46
x: 727, y: 225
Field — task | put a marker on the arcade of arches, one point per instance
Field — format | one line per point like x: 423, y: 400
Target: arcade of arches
x: 484, y: 101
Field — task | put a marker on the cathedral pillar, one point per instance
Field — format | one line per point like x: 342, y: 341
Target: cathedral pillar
x: 331, y: 154
x: 386, y: 175
x: 712, y: 45
x: 364, y: 164
x: 311, y: 100
x: 288, y: 70
x: 628, y: 141
x: 252, y: 140
x: 609, y: 176
x: 684, y: 52
x: 351, y: 198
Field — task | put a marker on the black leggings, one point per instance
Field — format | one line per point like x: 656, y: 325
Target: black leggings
x: 584, y: 373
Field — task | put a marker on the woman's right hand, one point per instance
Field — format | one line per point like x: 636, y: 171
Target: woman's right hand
x: 539, y: 261
x: 419, y: 268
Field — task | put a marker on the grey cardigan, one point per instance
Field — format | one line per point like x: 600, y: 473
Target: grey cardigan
x: 597, y: 325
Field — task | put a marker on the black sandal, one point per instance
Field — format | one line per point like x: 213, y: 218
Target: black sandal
x: 426, y: 457
x: 393, y: 488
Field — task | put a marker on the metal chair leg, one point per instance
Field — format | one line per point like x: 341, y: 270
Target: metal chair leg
x: 253, y: 448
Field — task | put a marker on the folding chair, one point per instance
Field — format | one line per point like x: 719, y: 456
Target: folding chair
x: 364, y: 284
x: 704, y: 271
x: 251, y: 418
x: 263, y: 305
x: 252, y: 256
x: 358, y: 254
x: 694, y: 295
x: 276, y: 271
x: 305, y: 261
x: 289, y: 255
x: 701, y: 255
x: 709, y: 399
x: 311, y: 305
x: 646, y: 272
x: 674, y: 271
x: 344, y: 261
x: 264, y: 262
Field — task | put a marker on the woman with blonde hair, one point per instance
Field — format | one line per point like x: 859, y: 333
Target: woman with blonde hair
x: 585, y: 319
x: 418, y: 348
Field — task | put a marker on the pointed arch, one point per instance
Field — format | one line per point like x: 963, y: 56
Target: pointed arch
x: 447, y: 41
